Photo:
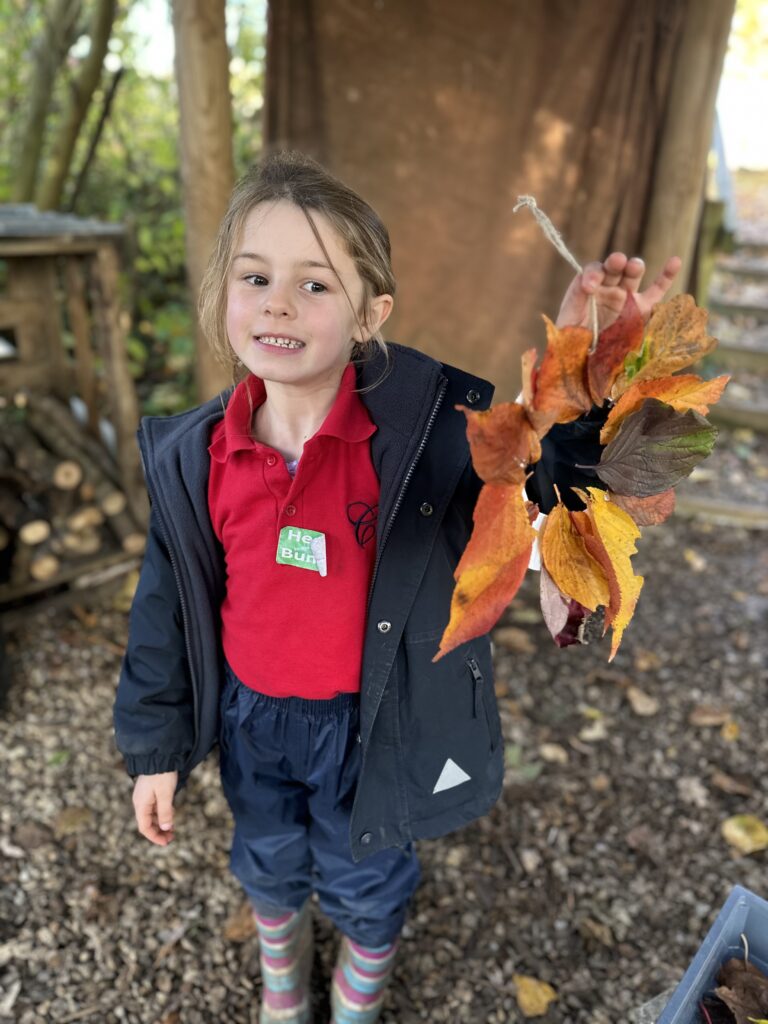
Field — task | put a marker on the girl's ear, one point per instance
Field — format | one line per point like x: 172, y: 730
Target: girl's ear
x: 379, y: 308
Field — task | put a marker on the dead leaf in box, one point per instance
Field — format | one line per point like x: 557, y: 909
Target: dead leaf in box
x: 676, y: 337
x: 533, y: 996
x: 492, y: 567
x: 730, y: 731
x: 240, y: 925
x: 683, y: 392
x: 696, y: 560
x: 502, y: 441
x: 514, y: 639
x: 648, y: 511
x: 553, y: 753
x: 745, y: 833
x: 729, y: 784
x: 705, y: 715
x: 642, y: 703
x: 743, y: 988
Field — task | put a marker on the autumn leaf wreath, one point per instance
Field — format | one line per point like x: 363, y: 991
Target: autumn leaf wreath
x: 652, y: 432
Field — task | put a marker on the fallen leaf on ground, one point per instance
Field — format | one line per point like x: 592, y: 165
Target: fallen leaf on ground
x: 646, y: 661
x: 240, y: 925
x: 533, y: 996
x: 514, y: 639
x: 71, y: 820
x: 594, y: 732
x: 745, y: 833
x: 553, y: 753
x: 696, y: 560
x: 642, y: 703
x: 730, y: 731
x: 591, y: 929
x: 705, y: 715
x: 729, y: 784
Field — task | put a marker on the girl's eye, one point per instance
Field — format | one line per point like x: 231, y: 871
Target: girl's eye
x: 250, y: 278
x: 317, y: 284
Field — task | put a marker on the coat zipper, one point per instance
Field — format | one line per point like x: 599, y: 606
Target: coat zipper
x: 406, y: 481
x: 477, y: 675
x: 179, y: 587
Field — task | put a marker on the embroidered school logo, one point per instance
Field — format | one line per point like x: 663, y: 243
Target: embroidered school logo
x: 363, y: 517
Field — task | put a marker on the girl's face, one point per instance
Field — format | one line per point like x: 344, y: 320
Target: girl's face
x: 288, y: 318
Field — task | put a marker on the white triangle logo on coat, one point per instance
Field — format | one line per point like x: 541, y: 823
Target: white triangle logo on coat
x: 450, y: 776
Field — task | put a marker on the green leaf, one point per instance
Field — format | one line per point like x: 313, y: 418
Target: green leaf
x: 635, y: 361
x: 655, y: 448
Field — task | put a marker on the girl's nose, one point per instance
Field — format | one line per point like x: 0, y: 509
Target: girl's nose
x: 277, y: 303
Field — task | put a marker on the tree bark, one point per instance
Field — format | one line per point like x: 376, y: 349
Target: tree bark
x: 207, y: 165
x: 51, y: 189
x: 58, y: 36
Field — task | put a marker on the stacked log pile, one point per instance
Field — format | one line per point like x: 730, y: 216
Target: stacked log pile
x: 61, y: 509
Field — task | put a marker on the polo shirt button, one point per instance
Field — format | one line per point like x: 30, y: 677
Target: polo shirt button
x: 426, y: 509
x: 290, y: 510
x: 384, y: 626
x: 271, y: 460
x: 365, y: 839
x: 473, y: 396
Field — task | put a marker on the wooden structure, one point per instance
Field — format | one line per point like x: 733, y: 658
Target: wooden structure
x: 68, y: 508
x: 441, y: 113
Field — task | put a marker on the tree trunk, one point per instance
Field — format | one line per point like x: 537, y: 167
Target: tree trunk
x: 55, y: 41
x: 207, y: 167
x: 459, y: 108
x: 52, y: 187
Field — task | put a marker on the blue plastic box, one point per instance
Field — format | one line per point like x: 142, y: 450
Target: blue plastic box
x: 742, y: 912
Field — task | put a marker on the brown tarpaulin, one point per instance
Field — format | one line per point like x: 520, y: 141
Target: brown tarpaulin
x: 442, y: 112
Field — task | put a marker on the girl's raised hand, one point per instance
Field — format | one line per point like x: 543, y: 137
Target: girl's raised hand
x: 153, y: 804
x: 609, y: 282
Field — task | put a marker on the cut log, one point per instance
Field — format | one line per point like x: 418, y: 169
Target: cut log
x: 35, y: 532
x: 68, y: 475
x: 85, y: 519
x: 44, y: 566
x: 132, y: 541
x: 59, y: 415
x: 86, y: 542
x: 113, y: 504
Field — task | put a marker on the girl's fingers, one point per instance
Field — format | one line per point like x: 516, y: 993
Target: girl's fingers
x: 656, y: 291
x: 148, y: 825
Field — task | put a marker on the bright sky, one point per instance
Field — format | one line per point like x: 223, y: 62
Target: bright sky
x: 742, y: 100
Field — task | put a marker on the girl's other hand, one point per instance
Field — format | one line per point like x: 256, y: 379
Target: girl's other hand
x: 609, y: 282
x: 153, y: 804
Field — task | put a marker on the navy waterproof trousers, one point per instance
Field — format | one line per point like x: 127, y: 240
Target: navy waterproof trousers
x: 289, y: 769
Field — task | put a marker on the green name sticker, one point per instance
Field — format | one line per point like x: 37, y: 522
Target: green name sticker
x: 303, y: 548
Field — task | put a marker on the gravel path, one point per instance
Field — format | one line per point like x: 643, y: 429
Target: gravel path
x: 598, y: 871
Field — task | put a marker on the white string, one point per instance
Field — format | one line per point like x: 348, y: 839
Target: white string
x: 556, y: 239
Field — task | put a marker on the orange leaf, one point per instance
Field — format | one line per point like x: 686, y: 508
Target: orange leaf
x: 568, y: 562
x: 647, y: 511
x: 493, y: 564
x: 609, y: 536
x: 682, y: 392
x: 502, y: 442
x: 560, y: 392
x: 625, y: 335
x: 676, y: 336
x: 529, y: 374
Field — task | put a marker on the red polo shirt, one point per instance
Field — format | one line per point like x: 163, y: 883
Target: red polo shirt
x: 287, y: 629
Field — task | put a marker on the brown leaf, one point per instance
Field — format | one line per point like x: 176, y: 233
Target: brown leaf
x: 705, y: 715
x: 72, y: 820
x: 503, y: 443
x: 682, y: 392
x: 648, y: 511
x: 744, y: 990
x: 641, y: 703
x: 533, y: 996
x: 730, y: 784
x: 514, y: 639
x: 240, y: 925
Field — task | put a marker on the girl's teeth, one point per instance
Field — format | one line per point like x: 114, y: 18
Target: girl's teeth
x: 269, y: 339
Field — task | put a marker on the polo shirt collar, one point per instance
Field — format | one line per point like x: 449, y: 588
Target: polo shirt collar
x: 347, y: 419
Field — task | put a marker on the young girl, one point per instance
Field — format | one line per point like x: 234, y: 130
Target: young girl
x: 304, y: 530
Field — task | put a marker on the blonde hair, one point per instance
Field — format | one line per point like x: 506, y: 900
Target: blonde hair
x: 295, y: 177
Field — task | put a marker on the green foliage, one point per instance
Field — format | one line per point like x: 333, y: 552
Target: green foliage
x: 135, y: 176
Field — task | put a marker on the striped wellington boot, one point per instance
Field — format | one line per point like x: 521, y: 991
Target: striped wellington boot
x: 285, y: 955
x: 359, y: 981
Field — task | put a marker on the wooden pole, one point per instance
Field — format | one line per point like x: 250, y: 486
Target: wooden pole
x: 207, y: 165
x: 677, y: 194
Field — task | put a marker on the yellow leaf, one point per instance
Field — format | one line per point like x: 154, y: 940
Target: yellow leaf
x: 676, y: 337
x: 682, y: 392
x: 611, y: 541
x: 493, y: 564
x: 745, y: 832
x: 730, y: 731
x: 574, y: 570
x: 533, y: 996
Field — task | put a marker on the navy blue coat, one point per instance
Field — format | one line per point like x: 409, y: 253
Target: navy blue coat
x: 424, y: 726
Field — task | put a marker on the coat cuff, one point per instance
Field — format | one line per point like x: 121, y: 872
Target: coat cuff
x: 154, y: 764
